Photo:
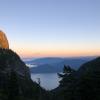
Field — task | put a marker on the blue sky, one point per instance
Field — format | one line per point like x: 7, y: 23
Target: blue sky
x: 38, y: 28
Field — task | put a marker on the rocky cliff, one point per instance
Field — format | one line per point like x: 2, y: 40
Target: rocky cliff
x: 3, y: 40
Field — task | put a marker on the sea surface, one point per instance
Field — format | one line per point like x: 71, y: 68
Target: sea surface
x: 48, y: 81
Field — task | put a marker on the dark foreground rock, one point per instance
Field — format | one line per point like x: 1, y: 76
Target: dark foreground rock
x: 15, y: 80
x: 84, y: 84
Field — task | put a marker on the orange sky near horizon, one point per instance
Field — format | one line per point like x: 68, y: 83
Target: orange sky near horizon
x: 29, y: 53
x: 52, y: 50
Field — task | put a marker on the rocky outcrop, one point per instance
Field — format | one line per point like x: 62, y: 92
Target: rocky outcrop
x: 3, y: 40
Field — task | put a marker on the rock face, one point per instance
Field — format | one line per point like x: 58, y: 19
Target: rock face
x: 3, y: 41
x: 11, y: 61
x: 15, y: 80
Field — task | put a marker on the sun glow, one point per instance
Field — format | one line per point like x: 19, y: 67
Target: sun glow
x: 56, y: 53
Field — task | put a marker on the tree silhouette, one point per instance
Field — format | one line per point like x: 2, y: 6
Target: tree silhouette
x: 67, y: 75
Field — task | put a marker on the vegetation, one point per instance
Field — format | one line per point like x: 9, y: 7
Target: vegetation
x: 67, y: 76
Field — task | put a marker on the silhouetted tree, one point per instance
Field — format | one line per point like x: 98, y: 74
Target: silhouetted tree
x: 67, y: 75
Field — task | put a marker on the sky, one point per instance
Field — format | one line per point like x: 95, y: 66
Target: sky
x: 52, y: 28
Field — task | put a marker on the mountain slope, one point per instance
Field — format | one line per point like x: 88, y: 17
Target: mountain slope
x: 84, y: 84
x: 15, y: 80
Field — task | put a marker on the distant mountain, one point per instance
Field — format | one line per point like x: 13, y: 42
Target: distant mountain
x: 47, y: 60
x: 55, y: 65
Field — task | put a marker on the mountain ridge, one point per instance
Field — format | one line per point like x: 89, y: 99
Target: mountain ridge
x: 54, y: 67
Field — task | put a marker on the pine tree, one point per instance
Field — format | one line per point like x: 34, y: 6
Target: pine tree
x: 67, y: 76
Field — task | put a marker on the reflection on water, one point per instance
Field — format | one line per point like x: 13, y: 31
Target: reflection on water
x: 48, y: 81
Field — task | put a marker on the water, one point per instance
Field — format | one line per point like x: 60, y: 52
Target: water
x: 48, y: 81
